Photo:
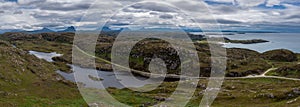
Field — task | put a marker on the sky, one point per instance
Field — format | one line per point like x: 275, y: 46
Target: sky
x: 253, y: 15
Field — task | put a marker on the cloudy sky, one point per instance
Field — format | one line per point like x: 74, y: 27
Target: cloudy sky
x: 263, y: 15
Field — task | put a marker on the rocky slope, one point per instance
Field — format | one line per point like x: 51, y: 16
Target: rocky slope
x: 241, y: 62
x: 28, y: 81
x: 282, y: 55
x: 256, y: 92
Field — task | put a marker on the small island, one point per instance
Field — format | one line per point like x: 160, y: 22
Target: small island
x: 95, y: 78
x: 252, y: 41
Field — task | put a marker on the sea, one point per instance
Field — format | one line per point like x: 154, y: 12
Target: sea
x: 290, y: 41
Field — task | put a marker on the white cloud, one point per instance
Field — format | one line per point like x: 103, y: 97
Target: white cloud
x: 249, y: 3
x: 224, y: 1
x: 63, y: 13
x: 271, y: 3
x: 25, y: 2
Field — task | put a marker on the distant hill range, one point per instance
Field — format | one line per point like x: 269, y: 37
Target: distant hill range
x: 113, y: 32
x: 69, y: 29
x: 44, y: 30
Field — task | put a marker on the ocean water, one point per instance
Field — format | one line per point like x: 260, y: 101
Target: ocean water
x: 290, y: 41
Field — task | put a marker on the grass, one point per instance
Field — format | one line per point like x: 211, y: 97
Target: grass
x: 240, y: 61
x: 237, y: 92
x: 36, y: 85
x: 28, y: 81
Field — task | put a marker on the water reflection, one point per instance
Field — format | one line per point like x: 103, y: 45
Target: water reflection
x: 108, y: 79
x: 47, y: 56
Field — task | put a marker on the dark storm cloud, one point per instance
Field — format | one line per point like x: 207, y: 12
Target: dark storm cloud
x: 65, y: 7
x: 153, y: 13
x: 54, y: 13
x: 49, y: 25
x: 188, y: 6
x: 31, y: 2
x: 153, y: 7
x: 166, y: 16
x: 225, y: 21
x: 18, y: 12
x: 226, y: 9
x: 61, y: 16
x: 220, y: 21
x: 293, y: 17
x: 123, y: 17
x: 134, y: 10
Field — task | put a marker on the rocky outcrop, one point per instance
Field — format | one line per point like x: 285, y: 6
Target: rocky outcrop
x: 55, y: 37
x: 244, y: 62
x: 282, y: 55
x: 240, y: 62
x: 290, y: 71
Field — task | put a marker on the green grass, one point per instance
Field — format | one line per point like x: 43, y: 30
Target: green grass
x: 259, y: 92
x: 27, y: 81
x: 36, y: 85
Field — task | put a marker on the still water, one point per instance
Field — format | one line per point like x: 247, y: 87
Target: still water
x: 108, y: 79
x: 46, y: 56
x: 87, y: 76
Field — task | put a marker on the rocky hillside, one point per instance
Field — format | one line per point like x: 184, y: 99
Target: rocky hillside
x: 256, y: 92
x: 244, y: 62
x: 28, y: 81
x: 55, y: 37
x: 241, y: 62
x: 282, y: 55
x: 290, y: 71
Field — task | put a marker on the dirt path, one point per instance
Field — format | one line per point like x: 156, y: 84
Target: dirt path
x: 269, y: 70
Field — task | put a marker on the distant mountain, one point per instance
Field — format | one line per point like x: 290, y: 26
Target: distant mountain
x: 44, y: 30
x: 69, y: 29
x: 107, y: 31
x: 16, y: 30
x: 249, y: 31
x: 2, y: 31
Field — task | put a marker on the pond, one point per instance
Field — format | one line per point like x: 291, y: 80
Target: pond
x: 46, y: 56
x: 91, y: 77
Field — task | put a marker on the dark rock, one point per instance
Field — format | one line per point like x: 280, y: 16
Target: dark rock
x: 253, y: 41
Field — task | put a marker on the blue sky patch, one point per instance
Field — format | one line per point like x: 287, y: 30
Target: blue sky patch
x: 271, y: 7
x: 217, y: 3
x: 11, y: 0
